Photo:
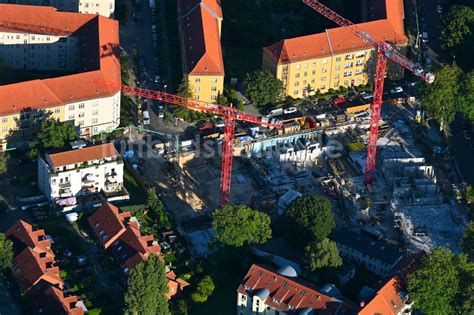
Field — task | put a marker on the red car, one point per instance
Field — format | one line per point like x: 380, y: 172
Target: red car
x: 338, y: 100
x: 204, y: 126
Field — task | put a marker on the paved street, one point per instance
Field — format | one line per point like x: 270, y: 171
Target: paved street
x: 462, y: 151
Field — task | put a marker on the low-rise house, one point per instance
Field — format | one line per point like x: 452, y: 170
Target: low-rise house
x: 34, y: 270
x: 389, y: 300
x: 175, y: 284
x: 80, y: 172
x: 120, y: 232
x: 377, y: 256
x: 265, y: 291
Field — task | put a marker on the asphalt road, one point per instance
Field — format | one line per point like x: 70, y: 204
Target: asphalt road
x: 462, y: 151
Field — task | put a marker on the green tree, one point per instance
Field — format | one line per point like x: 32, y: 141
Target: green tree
x: 435, y: 285
x: 6, y: 252
x: 204, y: 289
x: 307, y: 219
x: 467, y: 243
x: 55, y: 134
x: 156, y: 210
x: 262, y: 88
x: 467, y: 95
x: 4, y: 162
x: 465, y: 298
x: 180, y: 307
x: 456, y: 26
x: 185, y: 88
x: 441, y: 99
x: 237, y: 225
x: 147, y: 290
x: 469, y: 194
x: 322, y: 254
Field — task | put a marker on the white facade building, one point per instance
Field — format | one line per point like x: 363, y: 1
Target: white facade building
x: 103, y: 7
x: 80, y: 172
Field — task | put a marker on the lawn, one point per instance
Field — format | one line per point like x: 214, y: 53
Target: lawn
x: 137, y: 195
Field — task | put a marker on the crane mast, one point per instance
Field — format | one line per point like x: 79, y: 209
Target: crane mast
x: 231, y: 116
x: 384, y: 51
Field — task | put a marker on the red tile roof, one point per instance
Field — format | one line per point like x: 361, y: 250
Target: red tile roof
x: 213, y: 5
x: 287, y: 293
x: 201, y: 39
x: 386, y: 302
x: 29, y: 268
x: 61, y: 303
x: 124, y: 232
x: 340, y: 40
x: 78, y: 156
x: 175, y: 284
x: 24, y: 235
x: 99, y: 53
x: 108, y: 219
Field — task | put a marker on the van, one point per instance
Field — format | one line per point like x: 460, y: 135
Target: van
x: 424, y: 37
x: 146, y: 117
x: 275, y: 112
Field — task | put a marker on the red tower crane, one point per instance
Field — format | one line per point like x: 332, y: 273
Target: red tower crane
x: 231, y: 116
x: 384, y: 51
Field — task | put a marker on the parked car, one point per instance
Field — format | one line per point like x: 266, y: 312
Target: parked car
x: 424, y: 37
x: 366, y: 95
x: 397, y: 89
x: 439, y: 8
x: 338, y: 100
x: 467, y: 135
x: 289, y: 110
x: 428, y: 62
x: 204, y: 125
x: 157, y: 78
x: 146, y: 117
x: 219, y: 123
x: 275, y: 112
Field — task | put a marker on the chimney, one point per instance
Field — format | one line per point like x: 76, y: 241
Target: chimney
x: 362, y: 304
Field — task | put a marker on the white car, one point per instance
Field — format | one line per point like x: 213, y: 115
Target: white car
x: 366, y: 95
x: 397, y: 89
x: 290, y: 110
x: 439, y: 8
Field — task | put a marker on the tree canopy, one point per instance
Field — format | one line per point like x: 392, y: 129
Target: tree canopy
x: 6, y: 252
x: 467, y: 243
x: 3, y: 162
x: 441, y: 99
x: 156, y: 211
x: 204, y: 289
x: 322, y: 254
x: 435, y: 285
x: 52, y: 134
x: 238, y: 225
x: 262, y: 88
x: 467, y: 95
x: 307, y: 219
x: 456, y: 26
x: 147, y: 291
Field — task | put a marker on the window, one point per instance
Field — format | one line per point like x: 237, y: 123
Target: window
x: 214, y: 80
x: 71, y: 117
x: 4, y: 129
x: 325, y: 61
x: 297, y: 83
x: 305, y: 74
x: 71, y: 107
x: 81, y: 123
x: 359, y: 71
x: 348, y: 65
x: 295, y: 92
x: 95, y: 120
x: 347, y: 73
x: 313, y: 72
x: 338, y: 59
x: 297, y: 75
x: 337, y: 68
x: 213, y: 97
x: 314, y: 63
x: 81, y: 115
x: 81, y: 105
x: 336, y: 84
x: 298, y: 67
x: 323, y: 87
x: 197, y: 80
x: 213, y: 89
x: 95, y: 112
x: 197, y: 89
x: 325, y: 70
x: 4, y: 119
x: 57, y: 110
x: 336, y: 76
x: 323, y: 79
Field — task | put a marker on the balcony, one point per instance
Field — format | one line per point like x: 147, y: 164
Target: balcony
x: 65, y: 185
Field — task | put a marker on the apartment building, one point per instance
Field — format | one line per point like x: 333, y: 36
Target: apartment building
x: 103, y: 7
x: 378, y: 257
x: 34, y: 269
x: 335, y: 58
x: 266, y: 291
x: 200, y: 35
x: 43, y: 39
x: 80, y: 172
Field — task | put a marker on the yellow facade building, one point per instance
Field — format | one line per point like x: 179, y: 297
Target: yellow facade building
x: 335, y: 58
x: 200, y: 34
